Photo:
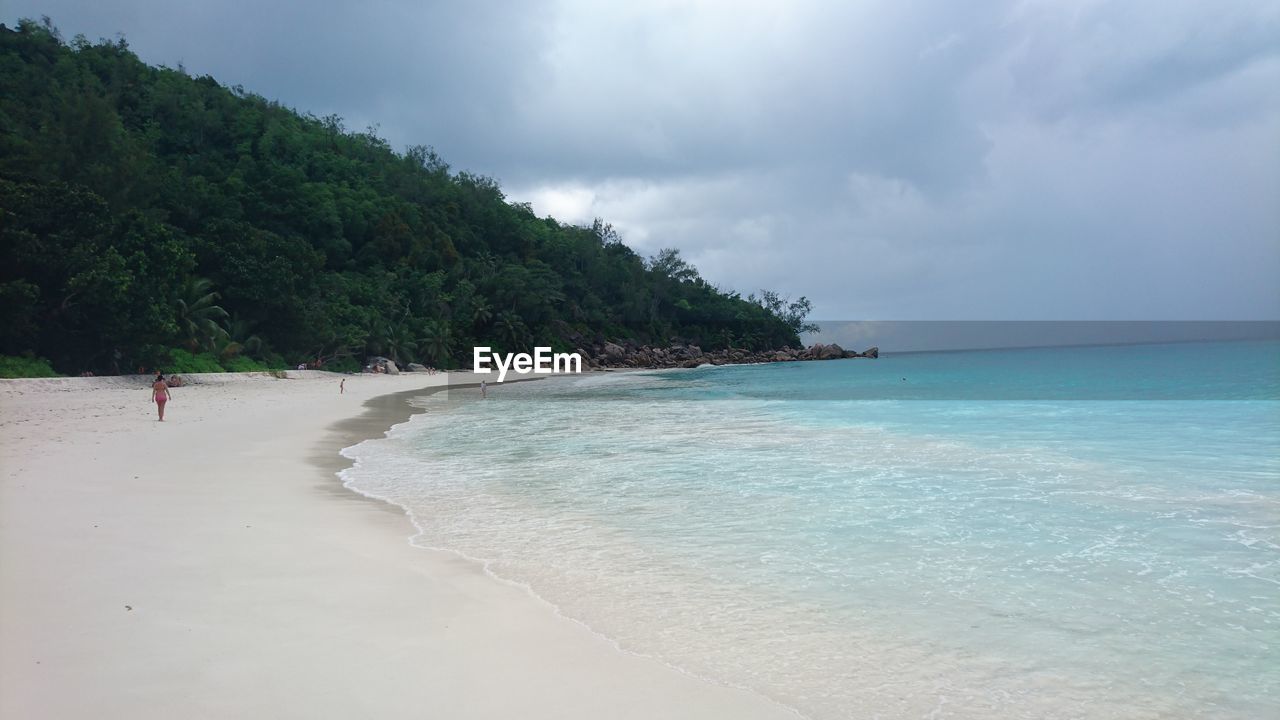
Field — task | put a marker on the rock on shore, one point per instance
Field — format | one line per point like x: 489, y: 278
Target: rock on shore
x: 631, y: 355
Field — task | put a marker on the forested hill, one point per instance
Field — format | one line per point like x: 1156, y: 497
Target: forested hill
x: 150, y: 218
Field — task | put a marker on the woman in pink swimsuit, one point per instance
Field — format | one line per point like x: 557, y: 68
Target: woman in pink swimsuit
x: 160, y: 394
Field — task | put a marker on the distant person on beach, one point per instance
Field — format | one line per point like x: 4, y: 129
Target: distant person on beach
x: 484, y: 390
x: 160, y: 394
x: 175, y: 381
x: 342, y: 386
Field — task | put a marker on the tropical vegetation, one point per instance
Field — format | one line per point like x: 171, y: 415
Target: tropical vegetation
x: 149, y: 218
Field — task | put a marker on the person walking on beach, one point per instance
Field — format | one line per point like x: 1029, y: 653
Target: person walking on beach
x: 342, y: 387
x: 160, y: 394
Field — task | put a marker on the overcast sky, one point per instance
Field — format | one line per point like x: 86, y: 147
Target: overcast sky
x: 891, y: 160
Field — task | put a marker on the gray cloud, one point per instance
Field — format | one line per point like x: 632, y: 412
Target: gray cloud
x: 1015, y: 160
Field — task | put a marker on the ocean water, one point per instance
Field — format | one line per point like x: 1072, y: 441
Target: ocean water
x: 1053, y: 533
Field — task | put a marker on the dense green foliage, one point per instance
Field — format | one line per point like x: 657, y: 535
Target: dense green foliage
x: 183, y: 362
x: 25, y: 367
x: 143, y: 210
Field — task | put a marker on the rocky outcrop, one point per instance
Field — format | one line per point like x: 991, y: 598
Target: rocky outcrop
x: 629, y: 355
x: 415, y: 367
x: 613, y: 352
x: 827, y: 352
x: 872, y: 353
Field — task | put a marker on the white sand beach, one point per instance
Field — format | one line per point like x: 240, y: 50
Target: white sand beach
x: 212, y: 566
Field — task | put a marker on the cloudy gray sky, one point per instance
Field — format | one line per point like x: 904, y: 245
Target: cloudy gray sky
x: 1073, y: 159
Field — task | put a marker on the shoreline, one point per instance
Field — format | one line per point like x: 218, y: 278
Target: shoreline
x: 393, y: 410
x: 214, y: 566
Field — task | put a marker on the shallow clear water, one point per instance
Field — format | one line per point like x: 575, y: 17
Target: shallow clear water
x: 1025, y: 534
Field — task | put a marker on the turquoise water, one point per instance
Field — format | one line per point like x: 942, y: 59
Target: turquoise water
x: 1080, y: 533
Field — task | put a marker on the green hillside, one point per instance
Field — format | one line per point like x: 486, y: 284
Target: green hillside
x: 150, y: 218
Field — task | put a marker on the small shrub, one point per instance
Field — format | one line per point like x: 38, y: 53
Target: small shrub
x: 181, y: 361
x: 240, y: 363
x: 25, y: 367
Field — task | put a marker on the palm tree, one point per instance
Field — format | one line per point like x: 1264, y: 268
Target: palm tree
x: 399, y: 343
x: 511, y: 330
x: 198, y: 314
x: 225, y: 348
x: 481, y: 314
x: 237, y: 339
x: 375, y: 337
x: 487, y: 262
x: 437, y: 342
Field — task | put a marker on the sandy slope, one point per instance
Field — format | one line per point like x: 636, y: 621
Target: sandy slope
x: 209, y: 567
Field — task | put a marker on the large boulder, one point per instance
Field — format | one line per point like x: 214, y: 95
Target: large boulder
x: 415, y: 367
x: 826, y: 352
x: 614, y: 352
x: 377, y: 362
x: 873, y: 352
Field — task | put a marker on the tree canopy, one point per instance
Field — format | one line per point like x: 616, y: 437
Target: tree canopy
x: 144, y: 211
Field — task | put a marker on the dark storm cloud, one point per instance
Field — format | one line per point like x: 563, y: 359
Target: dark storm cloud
x: 1031, y: 159
x: 1138, y: 53
x: 443, y: 73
